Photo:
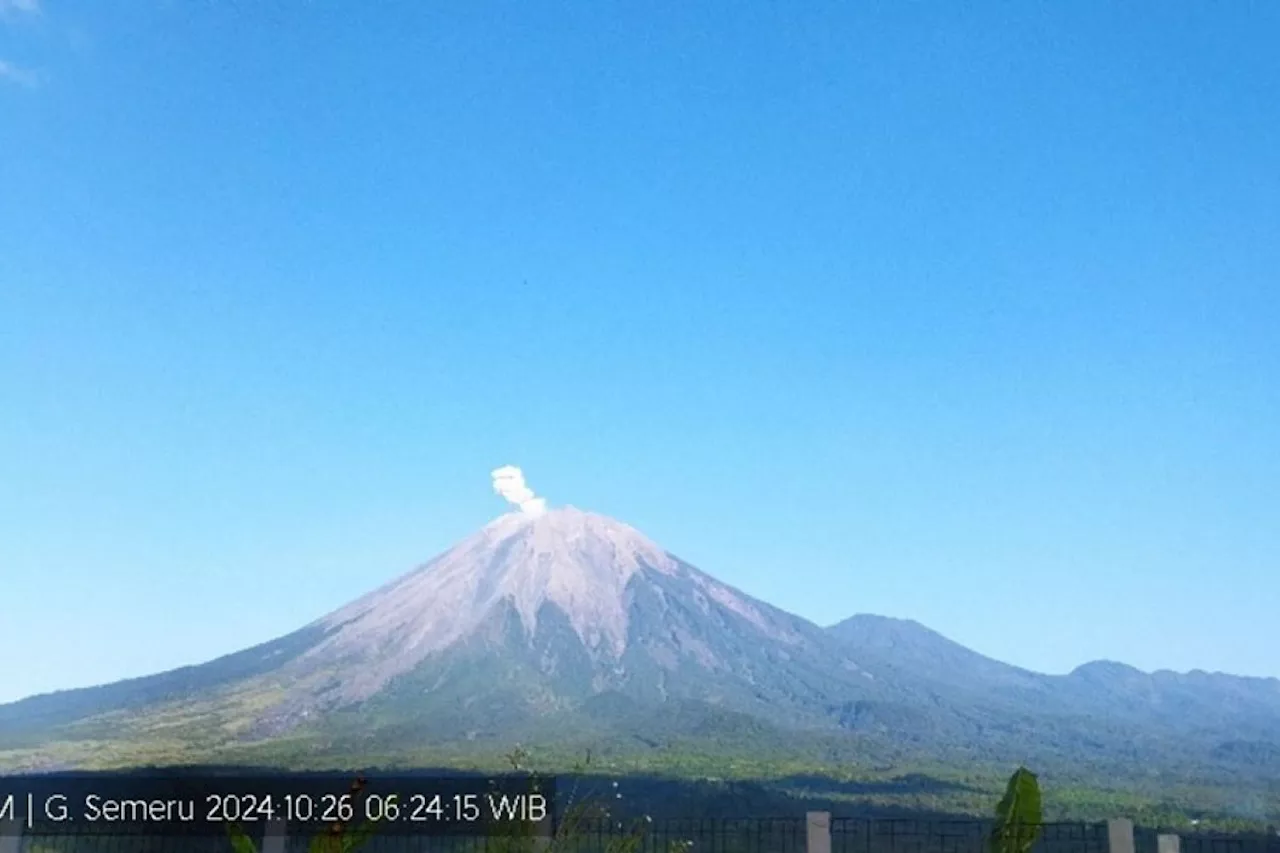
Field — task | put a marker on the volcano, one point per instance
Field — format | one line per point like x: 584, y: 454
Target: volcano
x: 576, y: 609
x: 573, y: 628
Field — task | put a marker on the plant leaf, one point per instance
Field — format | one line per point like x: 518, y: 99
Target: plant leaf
x: 240, y: 842
x: 359, y: 836
x: 1019, y: 815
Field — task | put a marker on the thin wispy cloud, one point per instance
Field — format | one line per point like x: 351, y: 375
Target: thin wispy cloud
x: 11, y: 73
x: 19, y: 7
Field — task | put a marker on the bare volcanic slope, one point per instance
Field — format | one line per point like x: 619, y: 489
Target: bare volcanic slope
x: 568, y: 606
x: 556, y: 625
x: 539, y: 614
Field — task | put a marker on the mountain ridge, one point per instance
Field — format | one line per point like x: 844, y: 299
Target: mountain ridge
x: 570, y: 625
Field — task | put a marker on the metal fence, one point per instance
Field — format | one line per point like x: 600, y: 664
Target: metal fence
x: 852, y: 835
x: 116, y: 844
x: 759, y: 835
x: 1147, y: 841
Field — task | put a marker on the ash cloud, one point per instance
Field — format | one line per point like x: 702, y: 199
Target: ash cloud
x: 508, y: 481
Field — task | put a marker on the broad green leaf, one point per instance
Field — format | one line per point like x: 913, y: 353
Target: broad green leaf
x: 1019, y: 815
x: 240, y: 842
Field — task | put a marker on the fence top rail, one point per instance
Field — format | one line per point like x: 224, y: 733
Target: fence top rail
x: 880, y: 829
x: 974, y: 823
x: 693, y: 822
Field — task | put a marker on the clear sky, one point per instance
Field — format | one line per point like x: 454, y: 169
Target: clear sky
x: 962, y: 312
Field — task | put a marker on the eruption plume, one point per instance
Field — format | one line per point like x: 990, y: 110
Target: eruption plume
x: 508, y: 481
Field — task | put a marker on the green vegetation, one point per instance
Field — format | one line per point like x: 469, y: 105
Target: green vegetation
x: 1019, y: 817
x: 680, y: 778
x: 581, y: 813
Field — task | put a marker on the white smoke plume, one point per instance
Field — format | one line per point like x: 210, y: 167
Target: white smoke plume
x: 508, y: 481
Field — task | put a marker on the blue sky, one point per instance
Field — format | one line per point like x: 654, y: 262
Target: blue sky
x: 958, y: 312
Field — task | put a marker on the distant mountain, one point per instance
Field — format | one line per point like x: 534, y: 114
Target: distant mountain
x: 572, y: 628
x: 1190, y: 703
x: 901, y: 645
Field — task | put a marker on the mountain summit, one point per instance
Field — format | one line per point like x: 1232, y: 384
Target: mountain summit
x: 569, y: 627
x: 582, y: 577
x: 570, y: 604
x: 577, y: 562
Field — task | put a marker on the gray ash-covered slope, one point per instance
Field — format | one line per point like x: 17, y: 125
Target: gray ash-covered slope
x: 567, y: 625
x: 565, y: 611
x: 563, y: 614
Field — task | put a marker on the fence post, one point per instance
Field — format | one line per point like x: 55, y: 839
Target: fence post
x: 1168, y: 844
x: 1120, y: 835
x: 273, y: 840
x: 818, y: 832
x: 545, y: 835
x: 10, y: 836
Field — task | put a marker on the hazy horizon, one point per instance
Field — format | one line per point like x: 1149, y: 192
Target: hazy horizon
x: 961, y: 315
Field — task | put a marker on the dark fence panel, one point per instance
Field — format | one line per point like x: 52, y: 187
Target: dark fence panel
x: 712, y: 835
x: 122, y: 844
x: 856, y: 835
x: 1206, y: 842
x: 761, y: 835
